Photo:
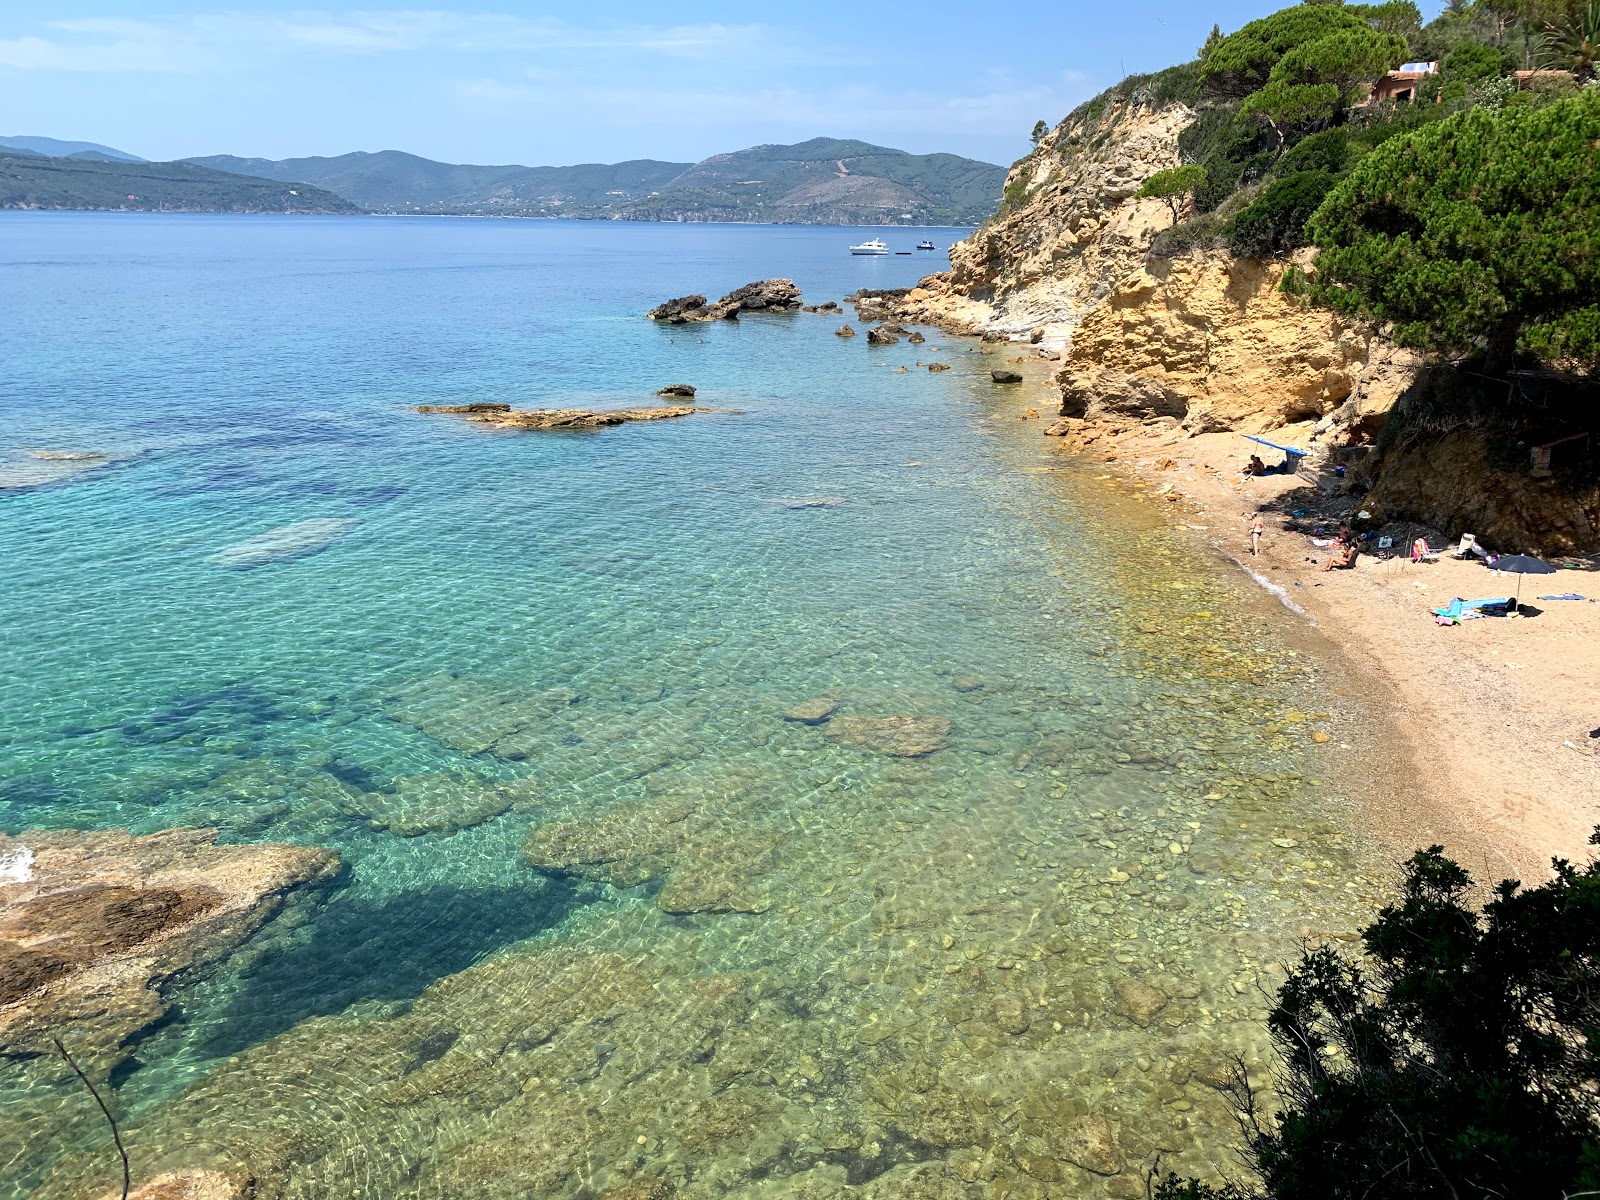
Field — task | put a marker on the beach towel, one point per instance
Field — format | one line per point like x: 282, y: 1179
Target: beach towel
x: 1563, y: 596
x: 1459, y: 610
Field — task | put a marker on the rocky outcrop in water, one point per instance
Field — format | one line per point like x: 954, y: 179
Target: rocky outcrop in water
x: 503, y: 416
x: 764, y: 295
x: 684, y: 390
x: 96, y: 925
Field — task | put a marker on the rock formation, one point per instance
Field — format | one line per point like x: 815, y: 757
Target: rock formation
x: 97, y: 923
x: 764, y: 295
x: 881, y: 337
x: 503, y: 416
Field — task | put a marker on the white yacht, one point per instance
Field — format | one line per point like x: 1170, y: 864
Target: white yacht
x: 875, y: 246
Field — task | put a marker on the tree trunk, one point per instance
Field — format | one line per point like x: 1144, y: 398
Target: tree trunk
x: 1502, y: 347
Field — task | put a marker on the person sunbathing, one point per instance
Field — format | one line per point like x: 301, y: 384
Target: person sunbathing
x: 1343, y: 551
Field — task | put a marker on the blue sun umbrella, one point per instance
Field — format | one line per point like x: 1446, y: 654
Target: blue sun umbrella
x: 1520, y: 565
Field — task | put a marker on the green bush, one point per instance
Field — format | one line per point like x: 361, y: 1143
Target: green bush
x: 1328, y: 151
x: 1274, y: 223
x: 1472, y: 63
x: 1458, y: 1060
x: 1201, y: 232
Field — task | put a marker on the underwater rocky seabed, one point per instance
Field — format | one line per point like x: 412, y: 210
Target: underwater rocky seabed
x: 610, y: 922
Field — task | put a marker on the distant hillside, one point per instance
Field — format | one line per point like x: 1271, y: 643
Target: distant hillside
x: 31, y: 181
x: 392, y: 181
x: 56, y: 148
x: 824, y: 181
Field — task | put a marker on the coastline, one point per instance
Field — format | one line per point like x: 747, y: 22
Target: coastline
x: 1482, y: 727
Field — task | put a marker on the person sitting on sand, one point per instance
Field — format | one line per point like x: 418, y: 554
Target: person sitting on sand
x: 1255, y: 466
x: 1343, y: 551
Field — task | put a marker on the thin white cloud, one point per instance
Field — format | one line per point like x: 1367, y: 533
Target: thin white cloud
x: 208, y: 41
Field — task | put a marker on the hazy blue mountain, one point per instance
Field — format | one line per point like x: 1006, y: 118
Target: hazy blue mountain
x: 29, y: 180
x: 393, y: 181
x: 828, y: 181
x: 824, y: 181
x: 56, y: 148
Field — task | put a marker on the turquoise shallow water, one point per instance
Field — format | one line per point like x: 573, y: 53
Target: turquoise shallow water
x: 876, y: 965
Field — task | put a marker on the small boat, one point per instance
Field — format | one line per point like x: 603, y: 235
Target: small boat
x: 875, y: 246
x: 926, y: 244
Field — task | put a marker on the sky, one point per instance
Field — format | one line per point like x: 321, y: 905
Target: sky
x: 497, y: 82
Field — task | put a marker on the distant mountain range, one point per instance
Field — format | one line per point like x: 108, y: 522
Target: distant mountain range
x: 55, y: 148
x: 825, y: 181
x: 29, y: 179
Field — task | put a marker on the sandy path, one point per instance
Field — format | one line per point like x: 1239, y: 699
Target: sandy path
x: 1494, y: 714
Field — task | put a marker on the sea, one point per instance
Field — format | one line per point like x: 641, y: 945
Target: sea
x: 837, y: 792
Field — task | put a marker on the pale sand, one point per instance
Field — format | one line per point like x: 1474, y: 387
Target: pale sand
x: 1491, y: 716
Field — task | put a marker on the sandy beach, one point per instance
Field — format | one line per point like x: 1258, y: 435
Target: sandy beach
x: 1491, y: 717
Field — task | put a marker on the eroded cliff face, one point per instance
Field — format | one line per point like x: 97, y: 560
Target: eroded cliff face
x: 1210, y: 341
x: 1070, y: 229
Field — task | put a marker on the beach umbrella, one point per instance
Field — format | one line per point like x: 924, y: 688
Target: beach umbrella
x: 1520, y: 565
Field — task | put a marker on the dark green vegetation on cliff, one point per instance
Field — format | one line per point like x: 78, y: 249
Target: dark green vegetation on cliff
x: 1482, y: 230
x: 1283, y: 114
x: 1459, y: 1058
x: 35, y: 181
x: 822, y: 181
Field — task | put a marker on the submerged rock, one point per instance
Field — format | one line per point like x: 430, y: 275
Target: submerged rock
x: 474, y: 715
x: 938, y: 366
x: 902, y: 737
x: 105, y: 919
x: 764, y: 295
x: 440, y: 802
x: 40, y: 468
x: 1005, y: 377
x: 811, y: 502
x: 1090, y: 1143
x: 813, y: 712
x: 497, y: 416
x: 284, y: 544
x: 1137, y: 1000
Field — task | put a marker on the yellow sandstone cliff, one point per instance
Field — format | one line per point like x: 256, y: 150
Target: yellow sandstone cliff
x: 1207, y: 342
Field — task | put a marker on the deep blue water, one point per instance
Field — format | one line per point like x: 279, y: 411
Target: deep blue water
x: 250, y: 373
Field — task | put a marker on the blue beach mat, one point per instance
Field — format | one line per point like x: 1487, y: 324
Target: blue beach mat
x: 1563, y: 596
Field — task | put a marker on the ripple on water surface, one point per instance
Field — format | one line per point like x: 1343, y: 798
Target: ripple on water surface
x: 936, y: 840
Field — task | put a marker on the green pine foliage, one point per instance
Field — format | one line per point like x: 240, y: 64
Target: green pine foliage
x: 1274, y: 223
x: 1459, y: 1059
x: 1480, y: 232
x: 1174, y: 185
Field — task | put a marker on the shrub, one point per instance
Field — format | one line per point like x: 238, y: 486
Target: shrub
x: 1472, y: 63
x: 1274, y: 222
x: 1201, y: 232
x: 1459, y: 1060
x: 1326, y: 151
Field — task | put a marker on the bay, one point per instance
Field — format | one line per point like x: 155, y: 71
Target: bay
x: 609, y: 920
